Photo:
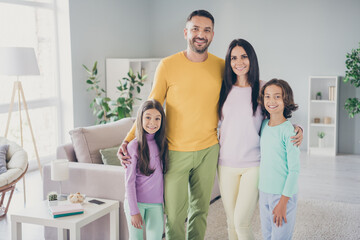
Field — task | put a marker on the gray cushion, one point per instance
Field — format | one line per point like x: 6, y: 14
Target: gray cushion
x: 3, y: 151
x: 109, y: 157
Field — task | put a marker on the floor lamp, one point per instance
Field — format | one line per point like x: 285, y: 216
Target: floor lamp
x: 19, y: 61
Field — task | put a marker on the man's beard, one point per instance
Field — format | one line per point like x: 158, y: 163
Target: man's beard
x: 196, y: 49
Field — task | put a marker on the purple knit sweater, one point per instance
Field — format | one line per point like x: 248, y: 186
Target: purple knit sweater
x: 141, y: 188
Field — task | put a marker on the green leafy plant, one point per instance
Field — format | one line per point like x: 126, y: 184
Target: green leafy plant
x: 52, y: 196
x: 108, y: 110
x: 124, y: 103
x: 100, y: 104
x: 352, y: 75
x: 318, y: 96
x: 321, y: 134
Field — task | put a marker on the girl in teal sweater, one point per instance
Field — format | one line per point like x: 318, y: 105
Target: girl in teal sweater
x: 280, y: 165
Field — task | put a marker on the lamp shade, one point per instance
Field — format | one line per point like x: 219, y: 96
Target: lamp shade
x: 60, y: 170
x: 16, y: 61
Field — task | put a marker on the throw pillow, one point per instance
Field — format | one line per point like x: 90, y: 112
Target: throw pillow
x: 108, y: 156
x: 3, y: 151
x: 87, y: 141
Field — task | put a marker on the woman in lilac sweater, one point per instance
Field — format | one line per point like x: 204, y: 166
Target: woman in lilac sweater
x: 241, y: 118
x: 144, y: 177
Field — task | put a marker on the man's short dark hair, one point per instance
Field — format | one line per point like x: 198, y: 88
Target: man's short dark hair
x: 201, y: 13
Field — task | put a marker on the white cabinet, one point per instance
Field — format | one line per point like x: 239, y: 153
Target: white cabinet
x: 117, y: 68
x: 323, y: 115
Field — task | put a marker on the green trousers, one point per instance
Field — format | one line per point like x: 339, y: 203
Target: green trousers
x: 188, y: 185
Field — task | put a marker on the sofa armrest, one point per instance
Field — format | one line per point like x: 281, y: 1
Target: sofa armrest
x: 66, y: 151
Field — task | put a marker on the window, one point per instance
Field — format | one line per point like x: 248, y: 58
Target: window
x: 33, y: 24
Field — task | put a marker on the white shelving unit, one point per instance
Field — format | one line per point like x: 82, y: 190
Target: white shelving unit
x: 117, y: 68
x: 325, y: 109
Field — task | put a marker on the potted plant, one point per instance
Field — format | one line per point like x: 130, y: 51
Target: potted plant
x: 318, y: 96
x: 123, y: 105
x: 108, y: 110
x: 52, y: 198
x: 352, y: 75
x: 321, y: 136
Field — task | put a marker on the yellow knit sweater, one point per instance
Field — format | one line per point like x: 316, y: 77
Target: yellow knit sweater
x: 191, y: 91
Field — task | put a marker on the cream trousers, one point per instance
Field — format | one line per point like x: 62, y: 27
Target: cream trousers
x: 239, y: 193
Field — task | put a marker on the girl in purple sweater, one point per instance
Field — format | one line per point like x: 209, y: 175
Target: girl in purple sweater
x: 144, y: 177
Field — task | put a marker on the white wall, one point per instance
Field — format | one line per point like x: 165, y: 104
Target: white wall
x: 293, y: 40
x: 100, y: 30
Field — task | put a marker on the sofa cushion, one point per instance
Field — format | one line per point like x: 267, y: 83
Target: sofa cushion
x: 87, y: 141
x: 3, y: 151
x: 17, y: 162
x: 109, y: 157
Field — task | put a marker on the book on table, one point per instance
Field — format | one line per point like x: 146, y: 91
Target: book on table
x: 66, y: 210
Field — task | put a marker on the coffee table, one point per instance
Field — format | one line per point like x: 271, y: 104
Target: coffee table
x: 39, y: 214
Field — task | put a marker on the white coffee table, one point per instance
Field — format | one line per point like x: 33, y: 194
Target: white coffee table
x: 39, y: 214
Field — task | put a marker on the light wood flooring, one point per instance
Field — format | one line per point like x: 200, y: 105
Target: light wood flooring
x: 325, y: 178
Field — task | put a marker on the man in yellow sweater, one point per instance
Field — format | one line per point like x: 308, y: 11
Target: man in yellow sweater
x: 190, y: 82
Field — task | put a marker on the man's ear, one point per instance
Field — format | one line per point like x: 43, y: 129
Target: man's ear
x: 185, y: 33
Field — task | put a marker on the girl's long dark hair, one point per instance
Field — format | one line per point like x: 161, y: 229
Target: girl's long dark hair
x: 160, y: 138
x: 230, y: 77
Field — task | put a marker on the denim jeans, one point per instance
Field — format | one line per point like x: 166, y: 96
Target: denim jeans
x: 267, y: 203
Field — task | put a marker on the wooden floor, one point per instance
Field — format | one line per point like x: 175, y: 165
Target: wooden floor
x: 326, y: 178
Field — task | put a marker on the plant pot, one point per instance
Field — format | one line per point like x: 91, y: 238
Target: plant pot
x: 53, y: 203
x: 321, y: 143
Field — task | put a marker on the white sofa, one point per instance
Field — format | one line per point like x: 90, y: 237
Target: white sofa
x: 89, y: 176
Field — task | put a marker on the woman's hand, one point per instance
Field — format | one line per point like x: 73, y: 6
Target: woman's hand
x: 279, y: 211
x: 122, y: 154
x: 298, y: 137
x: 136, y: 221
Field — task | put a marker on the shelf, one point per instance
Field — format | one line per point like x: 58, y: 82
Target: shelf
x: 324, y: 112
x: 322, y: 101
x: 321, y: 149
x: 329, y: 151
x: 321, y: 125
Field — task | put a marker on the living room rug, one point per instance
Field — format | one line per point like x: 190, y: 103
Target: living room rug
x: 316, y: 219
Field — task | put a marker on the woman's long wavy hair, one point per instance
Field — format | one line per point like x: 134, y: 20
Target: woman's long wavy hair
x: 230, y: 77
x: 287, y: 95
x: 160, y: 138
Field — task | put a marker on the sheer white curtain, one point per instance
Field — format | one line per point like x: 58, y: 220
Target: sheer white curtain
x: 33, y: 24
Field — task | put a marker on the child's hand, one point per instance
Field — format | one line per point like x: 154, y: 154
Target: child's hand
x: 297, y: 139
x: 279, y: 211
x: 136, y: 221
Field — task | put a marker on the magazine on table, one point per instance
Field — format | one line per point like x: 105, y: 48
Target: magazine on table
x: 66, y: 209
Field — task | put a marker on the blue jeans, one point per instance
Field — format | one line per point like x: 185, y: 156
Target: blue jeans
x: 153, y: 218
x: 267, y: 203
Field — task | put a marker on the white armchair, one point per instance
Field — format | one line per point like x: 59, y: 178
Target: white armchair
x: 17, y: 164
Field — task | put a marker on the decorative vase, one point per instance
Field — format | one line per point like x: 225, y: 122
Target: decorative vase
x: 327, y: 120
x: 332, y: 93
x: 321, y: 142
